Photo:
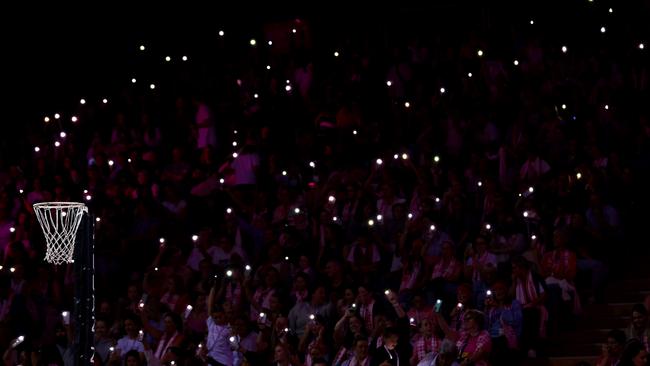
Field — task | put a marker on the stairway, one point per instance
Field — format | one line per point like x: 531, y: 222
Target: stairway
x: 584, y: 343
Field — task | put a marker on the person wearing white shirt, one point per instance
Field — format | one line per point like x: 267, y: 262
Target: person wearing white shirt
x: 219, y: 333
x: 130, y: 342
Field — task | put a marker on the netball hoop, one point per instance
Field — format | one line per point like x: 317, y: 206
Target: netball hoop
x: 61, y: 222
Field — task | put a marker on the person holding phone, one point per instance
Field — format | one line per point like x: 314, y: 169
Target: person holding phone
x: 218, y: 348
x: 131, y: 340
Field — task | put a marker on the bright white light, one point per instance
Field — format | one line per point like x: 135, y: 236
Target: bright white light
x: 379, y: 161
x: 46, y: 119
x: 525, y: 213
x: 479, y: 53
x: 98, y: 219
x: 152, y: 86
x: 410, y: 215
x: 436, y: 158
x: 142, y: 48
x: 611, y: 10
x: 234, y: 143
x: 443, y: 90
x: 128, y: 160
x: 469, y: 75
x: 85, y: 191
x: 293, y: 30
x: 563, y: 106
x: 331, y: 199
x: 407, y: 104
x: 606, y: 106
x: 62, y: 134
x: 221, y: 33
x: 432, y: 227
x: 229, y: 273
x: 386, y: 292
x: 12, y: 269
x: 312, y: 164
x: 74, y: 119
x: 37, y: 149
x: 256, y: 96
x: 371, y: 222
x: 133, y: 81
x: 641, y: 46
x: 161, y: 240
x: 336, y: 53
x: 184, y: 58
x: 396, y: 156
x: 579, y: 175
x: 82, y: 101
x: 284, y: 172
x: 231, y: 339
x: 602, y: 30
x: 296, y: 210
x: 270, y: 43
x: 88, y: 197
x: 248, y: 267
x: 405, y: 156
x: 57, y: 143
x: 354, y: 132
x: 12, y: 229
x: 533, y: 237
x: 20, y: 191
x: 287, y: 88
x: 380, y: 217
x: 104, y: 100
x: 252, y: 42
x: 532, y: 22
x: 268, y: 67
x: 531, y: 189
x: 564, y: 49
x: 437, y: 199
x: 334, y: 218
x: 167, y: 58
x: 229, y: 210
x: 195, y: 237
x: 111, y: 163
x: 57, y: 116
x: 222, y: 181
x: 480, y: 184
x: 516, y: 62
x: 389, y: 83
x: 488, y: 226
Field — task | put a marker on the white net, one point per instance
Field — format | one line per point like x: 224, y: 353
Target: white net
x: 60, y: 221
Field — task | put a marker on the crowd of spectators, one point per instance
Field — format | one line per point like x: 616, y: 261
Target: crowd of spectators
x: 429, y: 201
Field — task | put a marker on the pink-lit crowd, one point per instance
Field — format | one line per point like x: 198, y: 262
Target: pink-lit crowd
x: 410, y: 204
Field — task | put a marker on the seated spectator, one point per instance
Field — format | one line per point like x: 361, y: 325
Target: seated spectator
x: 634, y: 354
x: 611, y: 351
x: 639, y: 329
x: 361, y: 356
x: 445, y: 357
